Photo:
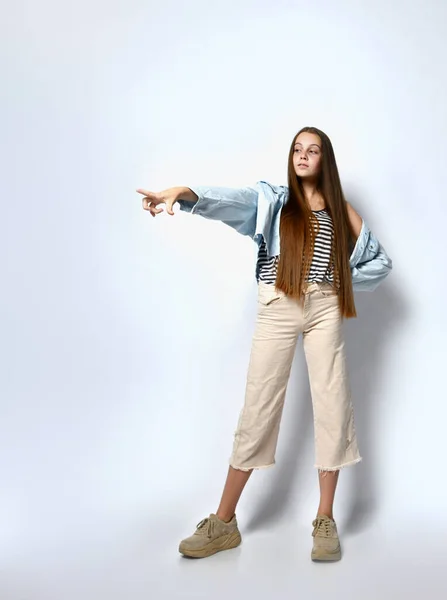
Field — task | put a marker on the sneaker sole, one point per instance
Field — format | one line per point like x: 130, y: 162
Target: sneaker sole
x: 223, y: 543
x: 326, y: 556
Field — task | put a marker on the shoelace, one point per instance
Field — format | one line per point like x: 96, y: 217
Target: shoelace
x: 205, y: 527
x: 322, y: 527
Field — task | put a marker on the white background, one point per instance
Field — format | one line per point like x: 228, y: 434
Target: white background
x: 125, y: 339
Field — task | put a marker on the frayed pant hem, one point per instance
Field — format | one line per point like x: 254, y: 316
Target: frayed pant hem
x: 338, y: 467
x: 252, y: 468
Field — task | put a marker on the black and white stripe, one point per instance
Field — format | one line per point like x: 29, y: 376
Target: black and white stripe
x: 321, y: 268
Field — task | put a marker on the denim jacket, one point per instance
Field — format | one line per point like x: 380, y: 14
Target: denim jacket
x: 255, y: 211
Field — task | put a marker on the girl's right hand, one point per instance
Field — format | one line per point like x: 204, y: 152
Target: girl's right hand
x: 152, y: 200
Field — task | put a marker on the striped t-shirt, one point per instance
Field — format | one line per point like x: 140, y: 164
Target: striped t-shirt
x: 321, y: 268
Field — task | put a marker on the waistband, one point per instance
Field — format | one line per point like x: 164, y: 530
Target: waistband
x: 309, y: 286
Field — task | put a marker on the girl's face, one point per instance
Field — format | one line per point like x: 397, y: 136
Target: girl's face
x: 307, y: 155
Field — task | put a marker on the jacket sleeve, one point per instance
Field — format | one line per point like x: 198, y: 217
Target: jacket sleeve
x: 369, y: 262
x: 236, y: 207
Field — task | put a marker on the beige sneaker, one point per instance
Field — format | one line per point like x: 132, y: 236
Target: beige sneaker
x: 326, y: 545
x: 212, y: 535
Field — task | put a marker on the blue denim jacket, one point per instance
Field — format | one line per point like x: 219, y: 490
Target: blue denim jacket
x: 255, y: 211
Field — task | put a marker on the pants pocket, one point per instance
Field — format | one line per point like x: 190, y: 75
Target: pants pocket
x: 327, y: 291
x: 268, y: 294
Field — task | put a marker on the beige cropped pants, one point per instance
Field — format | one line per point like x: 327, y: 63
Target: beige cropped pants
x: 280, y: 321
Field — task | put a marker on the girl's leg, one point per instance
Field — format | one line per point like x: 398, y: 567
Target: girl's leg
x: 326, y: 544
x: 278, y: 324
x: 335, y: 436
x: 328, y: 484
x: 277, y: 328
x: 234, y: 485
x: 324, y: 347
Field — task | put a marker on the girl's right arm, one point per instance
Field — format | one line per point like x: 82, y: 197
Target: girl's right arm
x: 236, y: 207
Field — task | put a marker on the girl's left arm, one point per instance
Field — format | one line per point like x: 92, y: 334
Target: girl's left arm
x: 369, y: 262
x: 355, y: 219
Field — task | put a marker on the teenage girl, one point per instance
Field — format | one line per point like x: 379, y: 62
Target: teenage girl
x: 314, y: 250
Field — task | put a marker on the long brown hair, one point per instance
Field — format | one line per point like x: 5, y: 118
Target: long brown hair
x: 297, y: 230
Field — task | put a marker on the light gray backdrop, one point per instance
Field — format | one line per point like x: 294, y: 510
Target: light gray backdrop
x: 125, y: 339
